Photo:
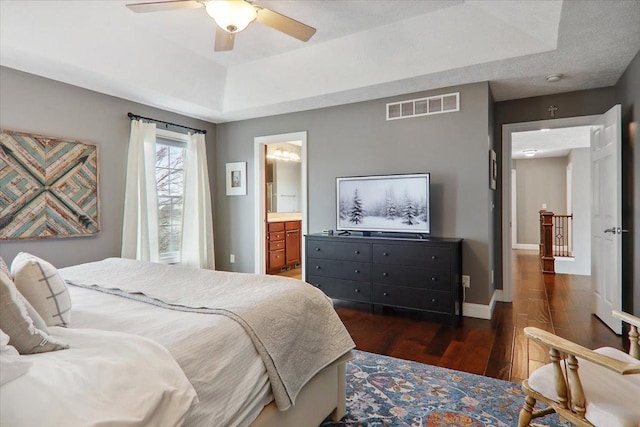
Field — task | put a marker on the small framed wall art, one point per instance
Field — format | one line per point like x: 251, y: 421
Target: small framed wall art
x: 236, y: 178
x: 493, y: 170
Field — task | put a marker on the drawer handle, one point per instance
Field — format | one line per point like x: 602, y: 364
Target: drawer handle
x: 317, y: 267
x: 277, y: 256
x: 385, y: 294
x: 434, y: 279
x: 385, y: 274
x: 433, y: 257
x: 356, y: 252
x: 433, y: 300
x: 385, y: 254
x: 357, y: 271
x: 357, y: 290
x: 317, y: 249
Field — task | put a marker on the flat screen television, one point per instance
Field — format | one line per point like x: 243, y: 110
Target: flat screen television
x: 384, y: 203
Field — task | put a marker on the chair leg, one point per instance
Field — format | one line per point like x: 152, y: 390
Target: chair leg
x: 527, y: 411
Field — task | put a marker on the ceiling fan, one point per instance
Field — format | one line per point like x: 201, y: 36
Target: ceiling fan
x: 232, y: 16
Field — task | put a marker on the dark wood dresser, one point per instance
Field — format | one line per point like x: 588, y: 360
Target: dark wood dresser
x: 419, y: 274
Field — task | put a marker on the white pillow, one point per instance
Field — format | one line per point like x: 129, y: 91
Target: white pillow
x: 39, y: 282
x: 12, y: 367
x: 5, y: 348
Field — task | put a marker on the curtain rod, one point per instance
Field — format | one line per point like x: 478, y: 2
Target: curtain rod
x: 137, y: 117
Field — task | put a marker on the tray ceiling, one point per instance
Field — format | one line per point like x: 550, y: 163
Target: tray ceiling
x: 362, y: 50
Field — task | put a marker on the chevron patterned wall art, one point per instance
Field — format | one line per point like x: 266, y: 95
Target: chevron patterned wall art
x: 48, y: 187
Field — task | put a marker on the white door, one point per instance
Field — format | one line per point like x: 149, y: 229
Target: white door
x: 606, y: 217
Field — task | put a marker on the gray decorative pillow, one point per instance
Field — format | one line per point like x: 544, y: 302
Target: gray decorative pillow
x: 4, y: 267
x: 38, y: 322
x: 16, y: 323
x: 39, y: 282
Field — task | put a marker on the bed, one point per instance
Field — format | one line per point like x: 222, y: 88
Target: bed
x: 258, y: 350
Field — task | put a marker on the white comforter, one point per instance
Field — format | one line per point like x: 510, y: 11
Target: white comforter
x: 103, y: 379
x: 232, y: 385
x: 292, y: 325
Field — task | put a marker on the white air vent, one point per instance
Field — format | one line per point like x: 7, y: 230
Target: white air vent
x: 424, y: 106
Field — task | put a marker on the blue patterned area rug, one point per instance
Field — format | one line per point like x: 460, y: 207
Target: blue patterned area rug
x: 384, y: 391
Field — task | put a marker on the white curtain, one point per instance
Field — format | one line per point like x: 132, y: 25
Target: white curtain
x: 197, y: 224
x: 140, y: 222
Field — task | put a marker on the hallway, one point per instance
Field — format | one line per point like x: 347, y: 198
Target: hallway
x: 496, y: 348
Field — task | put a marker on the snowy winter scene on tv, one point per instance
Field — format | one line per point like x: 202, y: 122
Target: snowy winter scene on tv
x: 384, y: 203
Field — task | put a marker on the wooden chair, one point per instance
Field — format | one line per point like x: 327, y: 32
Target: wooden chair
x: 604, y: 392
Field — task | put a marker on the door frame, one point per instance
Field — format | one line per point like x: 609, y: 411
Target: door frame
x: 507, y: 131
x: 259, y: 156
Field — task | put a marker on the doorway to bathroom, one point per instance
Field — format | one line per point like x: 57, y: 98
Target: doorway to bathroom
x: 281, y: 203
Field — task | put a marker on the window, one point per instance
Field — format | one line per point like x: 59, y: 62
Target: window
x: 170, y: 153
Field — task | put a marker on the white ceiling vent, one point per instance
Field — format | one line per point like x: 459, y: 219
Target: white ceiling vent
x: 424, y: 106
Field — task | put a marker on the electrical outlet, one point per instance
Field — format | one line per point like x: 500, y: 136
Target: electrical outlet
x: 466, y: 281
x: 232, y: 258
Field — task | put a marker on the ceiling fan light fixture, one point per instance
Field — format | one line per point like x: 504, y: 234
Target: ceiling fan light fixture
x: 232, y: 16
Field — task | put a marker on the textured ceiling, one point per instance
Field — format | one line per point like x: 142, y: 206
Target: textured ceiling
x: 362, y: 50
x: 550, y: 142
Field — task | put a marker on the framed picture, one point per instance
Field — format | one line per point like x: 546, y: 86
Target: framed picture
x: 493, y: 170
x: 49, y: 187
x: 236, y: 178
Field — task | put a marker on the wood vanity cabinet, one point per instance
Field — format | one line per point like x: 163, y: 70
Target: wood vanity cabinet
x: 283, y: 245
x: 293, y: 242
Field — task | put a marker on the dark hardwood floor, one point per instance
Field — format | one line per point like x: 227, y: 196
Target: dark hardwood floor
x: 496, y: 348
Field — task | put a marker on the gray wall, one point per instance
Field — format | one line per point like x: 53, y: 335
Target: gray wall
x: 493, y: 196
x: 538, y: 182
x: 570, y: 104
x: 580, y: 159
x: 628, y: 94
x: 37, y: 105
x: 356, y: 139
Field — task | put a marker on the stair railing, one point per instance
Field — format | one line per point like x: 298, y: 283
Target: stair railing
x: 555, y: 239
x: 547, y: 262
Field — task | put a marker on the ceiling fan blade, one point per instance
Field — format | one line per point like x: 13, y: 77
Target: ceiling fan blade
x: 285, y: 24
x: 224, y: 40
x: 161, y: 6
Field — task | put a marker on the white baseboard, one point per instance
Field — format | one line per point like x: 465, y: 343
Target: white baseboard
x: 482, y: 311
x: 527, y: 246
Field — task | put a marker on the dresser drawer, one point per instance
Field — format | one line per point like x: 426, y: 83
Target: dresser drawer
x: 347, y: 270
x: 344, y: 289
x: 292, y: 225
x: 420, y: 256
x: 276, y: 259
x: 411, y: 276
x: 412, y: 298
x: 275, y: 226
x: 278, y: 235
x: 351, y: 251
x: 273, y: 246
